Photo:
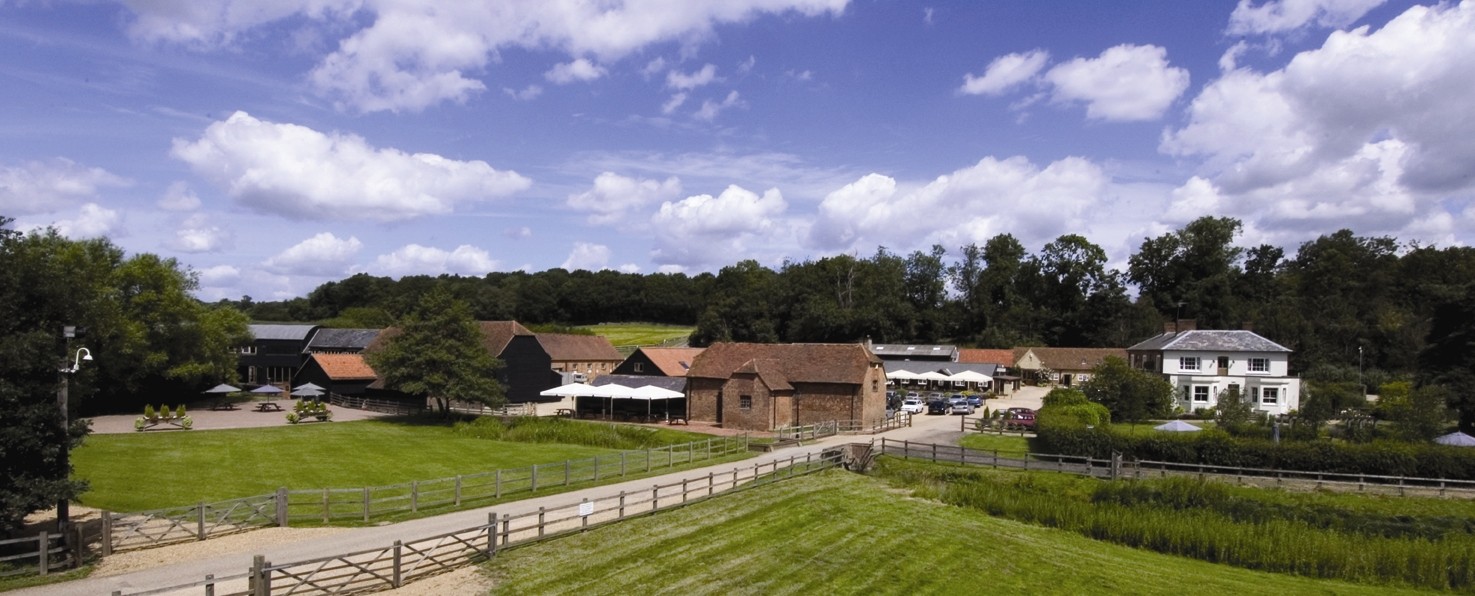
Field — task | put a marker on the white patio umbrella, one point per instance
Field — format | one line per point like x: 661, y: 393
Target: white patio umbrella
x: 309, y: 387
x: 651, y: 392
x: 223, y: 388
x: 307, y: 392
x: 569, y: 390
x: 1457, y: 439
x: 614, y: 391
x: 901, y: 374
x: 1177, y: 426
x: 269, y: 391
x: 972, y: 376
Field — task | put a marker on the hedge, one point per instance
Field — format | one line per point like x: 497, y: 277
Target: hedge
x: 1215, y: 447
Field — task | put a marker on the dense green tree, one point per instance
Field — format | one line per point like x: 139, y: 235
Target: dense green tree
x: 438, y: 352
x: 1130, y: 394
x: 1420, y: 415
x: 742, y: 306
x: 1192, y: 272
x: 1448, y: 357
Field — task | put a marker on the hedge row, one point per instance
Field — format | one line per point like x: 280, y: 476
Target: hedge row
x: 1215, y: 447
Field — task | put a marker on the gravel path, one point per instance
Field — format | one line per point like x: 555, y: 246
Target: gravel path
x: 231, y: 555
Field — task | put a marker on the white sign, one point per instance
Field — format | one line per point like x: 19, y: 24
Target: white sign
x: 586, y: 509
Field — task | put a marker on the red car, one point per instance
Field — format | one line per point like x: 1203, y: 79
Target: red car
x: 1019, y: 418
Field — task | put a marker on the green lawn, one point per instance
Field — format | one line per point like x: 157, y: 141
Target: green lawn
x: 1004, y: 444
x: 842, y: 533
x: 153, y: 470
x: 639, y: 334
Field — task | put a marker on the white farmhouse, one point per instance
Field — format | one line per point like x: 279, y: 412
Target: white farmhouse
x: 1203, y: 364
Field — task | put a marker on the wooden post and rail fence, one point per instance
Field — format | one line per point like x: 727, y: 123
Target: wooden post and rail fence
x: 392, y: 566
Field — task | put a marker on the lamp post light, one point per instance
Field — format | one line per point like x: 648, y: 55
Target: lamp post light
x: 81, y: 355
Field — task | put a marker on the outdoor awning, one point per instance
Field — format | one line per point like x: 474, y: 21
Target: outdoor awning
x: 901, y: 374
x: 933, y: 375
x: 569, y: 390
x: 972, y: 376
x: 1177, y: 426
x: 1457, y: 439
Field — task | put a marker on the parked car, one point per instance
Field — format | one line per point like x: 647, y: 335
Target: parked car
x: 913, y: 405
x: 938, y: 406
x: 1022, y: 419
x: 976, y: 400
x: 935, y: 395
x: 962, y: 407
x: 914, y: 395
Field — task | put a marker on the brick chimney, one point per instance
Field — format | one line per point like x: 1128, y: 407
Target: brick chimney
x: 1180, y: 325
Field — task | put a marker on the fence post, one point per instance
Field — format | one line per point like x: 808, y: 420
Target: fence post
x: 567, y: 470
x: 709, y: 449
x: 458, y: 490
x: 540, y: 521
x: 327, y: 512
x: 107, y: 533
x: 906, y: 449
x: 655, y: 497
x: 366, y: 503
x: 491, y: 534
x: 506, y: 527
x: 934, y: 453
x: 647, y: 461
x: 398, y: 579
x: 622, y: 504
x: 209, y: 584
x: 583, y: 519
x: 535, y: 478
x: 260, y: 581
x: 709, y: 483
x: 683, y: 490
x: 499, y: 483
x: 282, y: 507
x: 414, y: 495
x: 43, y: 546
x: 200, y: 521
x: 596, y: 468
x: 622, y: 464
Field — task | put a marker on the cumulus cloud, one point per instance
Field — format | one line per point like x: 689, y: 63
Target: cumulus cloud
x: 323, y: 255
x: 587, y: 256
x: 296, y: 171
x: 520, y: 233
x: 688, y: 81
x: 710, y: 109
x: 705, y: 230
x: 1126, y: 82
x: 1281, y: 16
x: 972, y: 204
x: 1005, y: 73
x: 527, y: 93
x: 613, y: 196
x: 219, y: 276
x: 1371, y: 130
x: 414, y: 259
x: 49, y: 186
x: 92, y: 221
x: 179, y: 197
x: 409, y: 55
x: 198, y: 234
x: 578, y: 71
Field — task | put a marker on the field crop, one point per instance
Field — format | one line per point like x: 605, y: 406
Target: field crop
x: 640, y: 334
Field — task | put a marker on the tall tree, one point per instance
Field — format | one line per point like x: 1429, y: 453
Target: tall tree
x: 1193, y: 272
x: 438, y: 352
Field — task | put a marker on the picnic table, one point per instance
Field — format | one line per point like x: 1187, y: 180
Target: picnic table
x: 223, y: 405
x: 268, y: 406
x: 566, y: 412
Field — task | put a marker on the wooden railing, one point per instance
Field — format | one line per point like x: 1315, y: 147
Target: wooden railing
x: 48, y: 554
x: 129, y: 531
x: 393, y: 566
x: 375, y: 405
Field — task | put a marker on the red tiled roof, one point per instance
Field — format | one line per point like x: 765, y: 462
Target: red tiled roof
x: 563, y: 347
x: 1071, y: 358
x: 345, y: 367
x: 796, y: 363
x: 1003, y: 358
x: 672, y: 362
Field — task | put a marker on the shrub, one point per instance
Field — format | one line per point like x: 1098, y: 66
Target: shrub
x: 140, y: 423
x: 148, y: 412
x: 164, y: 413
x: 293, y: 417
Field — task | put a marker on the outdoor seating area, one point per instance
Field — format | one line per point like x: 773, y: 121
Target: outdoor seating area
x: 620, y: 403
x: 152, y: 418
x: 268, y: 406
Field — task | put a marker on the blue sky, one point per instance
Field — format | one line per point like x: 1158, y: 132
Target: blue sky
x: 271, y: 145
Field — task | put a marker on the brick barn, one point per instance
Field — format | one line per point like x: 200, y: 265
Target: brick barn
x: 768, y: 386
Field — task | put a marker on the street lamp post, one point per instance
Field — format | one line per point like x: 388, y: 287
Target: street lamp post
x: 82, y: 354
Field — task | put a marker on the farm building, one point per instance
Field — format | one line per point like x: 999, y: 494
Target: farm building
x: 768, y: 386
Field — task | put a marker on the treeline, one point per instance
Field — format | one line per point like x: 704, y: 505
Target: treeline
x: 1345, y: 303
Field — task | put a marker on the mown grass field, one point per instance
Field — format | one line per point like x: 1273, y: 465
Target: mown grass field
x: 154, y: 470
x: 842, y: 533
x: 639, y: 334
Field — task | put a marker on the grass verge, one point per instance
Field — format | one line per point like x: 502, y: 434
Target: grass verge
x: 16, y: 582
x: 841, y: 533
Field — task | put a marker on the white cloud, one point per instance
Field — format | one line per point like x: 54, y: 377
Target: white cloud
x: 197, y: 234
x: 1373, y: 130
x: 672, y: 104
x: 1126, y: 82
x: 50, y: 186
x: 296, y: 171
x: 686, y: 82
x: 219, y: 276
x: 525, y: 94
x: 706, y: 230
x: 324, y: 255
x: 1280, y: 16
x: 414, y: 259
x: 710, y: 109
x: 613, y: 196
x: 972, y: 204
x: 578, y: 71
x: 587, y: 256
x: 179, y: 197
x: 801, y: 75
x: 1005, y: 73
x: 412, y: 55
x: 654, y: 67
x: 630, y: 268
x: 521, y: 233
x: 93, y: 221
x: 746, y: 66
